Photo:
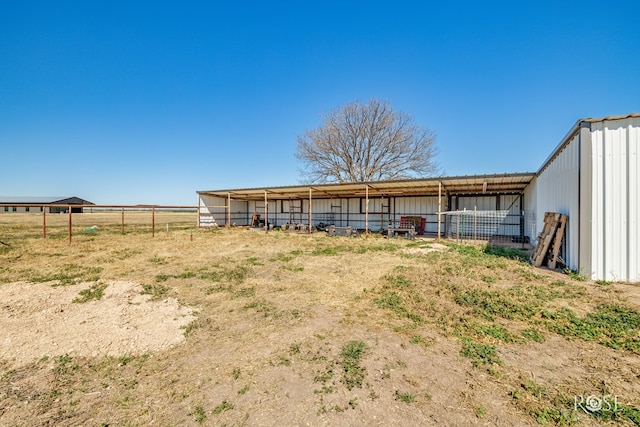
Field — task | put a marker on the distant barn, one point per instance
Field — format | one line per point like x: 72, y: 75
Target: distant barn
x: 37, y: 204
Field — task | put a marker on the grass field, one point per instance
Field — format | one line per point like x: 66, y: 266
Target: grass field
x: 276, y: 328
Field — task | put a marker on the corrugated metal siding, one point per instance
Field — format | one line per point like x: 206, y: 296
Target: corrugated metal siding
x: 213, y: 207
x: 510, y: 202
x: 354, y: 219
x: 426, y: 207
x: 557, y: 190
x: 615, y: 233
x: 530, y: 214
x: 415, y: 205
x: 481, y: 203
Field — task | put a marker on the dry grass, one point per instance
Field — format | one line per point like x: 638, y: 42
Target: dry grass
x: 432, y: 334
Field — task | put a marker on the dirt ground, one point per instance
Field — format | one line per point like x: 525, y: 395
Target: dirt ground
x: 40, y: 320
x: 241, y: 328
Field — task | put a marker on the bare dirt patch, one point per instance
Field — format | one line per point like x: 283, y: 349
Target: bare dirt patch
x: 40, y: 320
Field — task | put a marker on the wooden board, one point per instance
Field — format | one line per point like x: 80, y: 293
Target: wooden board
x: 557, y: 242
x: 552, y: 232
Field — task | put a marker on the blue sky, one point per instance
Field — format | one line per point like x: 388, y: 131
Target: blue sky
x: 126, y: 102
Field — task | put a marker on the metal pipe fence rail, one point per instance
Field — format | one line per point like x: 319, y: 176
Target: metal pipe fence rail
x: 492, y: 226
x: 91, y: 218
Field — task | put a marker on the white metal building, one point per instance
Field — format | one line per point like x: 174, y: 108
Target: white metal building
x: 370, y: 205
x: 592, y: 177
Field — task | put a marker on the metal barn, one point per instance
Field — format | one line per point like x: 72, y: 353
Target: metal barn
x: 592, y: 177
x: 377, y: 206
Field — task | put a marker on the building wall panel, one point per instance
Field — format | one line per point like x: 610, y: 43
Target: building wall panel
x: 481, y: 203
x: 424, y: 206
x: 557, y: 190
x: 530, y: 213
x: 614, y: 230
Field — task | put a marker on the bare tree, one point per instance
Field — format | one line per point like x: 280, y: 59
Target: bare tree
x: 366, y: 142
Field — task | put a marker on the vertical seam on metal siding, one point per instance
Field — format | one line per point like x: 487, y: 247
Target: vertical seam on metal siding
x: 579, y: 198
x: 605, y: 195
x: 588, y: 215
x: 628, y: 213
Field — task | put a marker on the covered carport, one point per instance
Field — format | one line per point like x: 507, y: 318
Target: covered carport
x: 369, y: 206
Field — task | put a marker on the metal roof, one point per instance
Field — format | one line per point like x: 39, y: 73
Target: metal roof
x: 575, y: 129
x: 453, y: 185
x: 26, y: 200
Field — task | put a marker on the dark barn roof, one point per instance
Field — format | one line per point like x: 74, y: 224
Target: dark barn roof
x: 27, y: 200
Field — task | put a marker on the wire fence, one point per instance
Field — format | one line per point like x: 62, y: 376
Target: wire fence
x: 69, y: 221
x: 496, y: 227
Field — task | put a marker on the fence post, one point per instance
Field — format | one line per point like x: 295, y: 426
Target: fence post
x: 153, y: 222
x: 475, y: 224
x: 44, y: 222
x: 122, y: 225
x: 70, y: 224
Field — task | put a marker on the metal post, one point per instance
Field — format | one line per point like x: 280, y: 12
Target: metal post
x: 366, y: 211
x: 69, y: 224
x: 458, y: 225
x: 522, y: 227
x: 382, y: 212
x: 439, y: 207
x: 475, y: 222
x: 266, y: 212
x: 153, y: 222
x: 228, y: 210
x: 310, y: 210
x: 122, y: 226
x: 44, y: 222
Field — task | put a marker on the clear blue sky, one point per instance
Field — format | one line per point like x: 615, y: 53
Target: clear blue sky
x: 149, y: 101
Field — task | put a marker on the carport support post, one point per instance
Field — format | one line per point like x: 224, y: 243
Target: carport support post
x: 439, y: 206
x: 366, y: 210
x: 310, y: 210
x: 228, y: 210
x: 266, y: 212
x: 44, y: 222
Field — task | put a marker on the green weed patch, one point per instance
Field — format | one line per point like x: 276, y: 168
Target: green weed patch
x: 352, y: 372
x: 614, y: 326
x: 70, y: 274
x: 479, y: 353
x: 93, y: 293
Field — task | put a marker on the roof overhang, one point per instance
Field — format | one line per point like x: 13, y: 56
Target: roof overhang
x: 513, y: 183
